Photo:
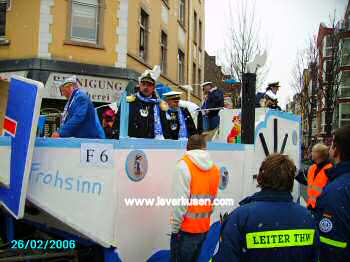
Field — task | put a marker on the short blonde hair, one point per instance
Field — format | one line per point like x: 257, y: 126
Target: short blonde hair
x: 322, y: 149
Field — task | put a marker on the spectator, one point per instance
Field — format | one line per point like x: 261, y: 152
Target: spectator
x: 333, y: 205
x: 268, y: 226
x: 317, y: 178
x: 196, y: 177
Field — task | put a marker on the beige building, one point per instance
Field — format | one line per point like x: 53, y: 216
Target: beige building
x: 106, y: 43
x: 169, y: 33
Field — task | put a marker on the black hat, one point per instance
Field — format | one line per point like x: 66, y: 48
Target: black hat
x: 274, y: 84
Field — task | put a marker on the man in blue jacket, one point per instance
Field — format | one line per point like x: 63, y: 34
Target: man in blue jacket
x: 269, y: 226
x: 79, y: 116
x: 209, y: 119
x: 333, y: 206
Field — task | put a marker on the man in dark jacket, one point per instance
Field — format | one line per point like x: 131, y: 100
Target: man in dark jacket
x: 208, y: 119
x: 268, y: 226
x: 179, y: 122
x: 333, y: 206
x: 144, y: 110
x: 79, y: 117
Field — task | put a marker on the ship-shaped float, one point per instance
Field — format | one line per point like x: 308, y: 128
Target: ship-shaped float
x: 82, y: 186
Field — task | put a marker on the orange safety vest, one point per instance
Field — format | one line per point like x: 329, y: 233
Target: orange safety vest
x: 204, y: 185
x: 315, y: 185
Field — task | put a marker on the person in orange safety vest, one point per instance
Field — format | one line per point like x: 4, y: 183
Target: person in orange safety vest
x: 317, y: 178
x: 196, y: 181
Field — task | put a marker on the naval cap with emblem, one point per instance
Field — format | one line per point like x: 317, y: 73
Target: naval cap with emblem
x: 274, y: 84
x: 172, y: 95
x: 148, y: 78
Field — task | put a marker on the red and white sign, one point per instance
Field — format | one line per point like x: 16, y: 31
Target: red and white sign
x: 10, y: 126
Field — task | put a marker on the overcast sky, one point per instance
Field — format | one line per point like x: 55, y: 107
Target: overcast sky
x: 286, y: 26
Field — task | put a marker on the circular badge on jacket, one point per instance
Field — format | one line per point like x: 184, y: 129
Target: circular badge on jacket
x: 136, y: 165
x: 224, y: 177
x: 325, y: 225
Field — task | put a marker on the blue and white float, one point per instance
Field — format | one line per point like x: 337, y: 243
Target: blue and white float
x: 83, y: 185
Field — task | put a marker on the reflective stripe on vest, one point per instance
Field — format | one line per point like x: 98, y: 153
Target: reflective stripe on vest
x: 317, y: 188
x: 280, y: 238
x: 316, y: 184
x: 203, y: 189
x: 332, y: 242
x: 204, y: 197
x: 198, y: 215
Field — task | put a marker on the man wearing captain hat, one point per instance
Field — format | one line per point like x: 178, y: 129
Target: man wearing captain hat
x: 145, y: 109
x: 209, y: 119
x: 179, y: 122
x: 270, y: 97
x: 79, y: 116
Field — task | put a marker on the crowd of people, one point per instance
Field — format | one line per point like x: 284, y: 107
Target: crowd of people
x: 268, y: 226
x: 149, y: 115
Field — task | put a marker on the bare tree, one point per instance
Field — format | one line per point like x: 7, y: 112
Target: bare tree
x: 329, y: 76
x: 243, y: 42
x: 300, y: 86
x: 305, y: 71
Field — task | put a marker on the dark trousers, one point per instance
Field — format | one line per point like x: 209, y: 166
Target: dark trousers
x: 186, y: 247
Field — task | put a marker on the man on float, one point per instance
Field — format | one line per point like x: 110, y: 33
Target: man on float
x: 79, y: 117
x: 271, y: 99
x: 180, y: 124
x: 209, y: 118
x: 144, y: 110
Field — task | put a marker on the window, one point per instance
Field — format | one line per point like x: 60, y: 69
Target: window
x: 199, y: 75
x: 181, y: 67
x: 195, y: 27
x: 194, y: 72
x: 328, y: 68
x: 85, y: 21
x: 182, y: 12
x: 345, y: 59
x: 344, y: 114
x: 3, y: 8
x: 143, y: 35
x: 200, y: 34
x: 345, y: 85
x: 328, y: 46
x: 163, y: 52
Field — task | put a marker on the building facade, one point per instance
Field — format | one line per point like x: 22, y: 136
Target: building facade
x: 334, y: 66
x: 106, y: 43
x: 169, y: 33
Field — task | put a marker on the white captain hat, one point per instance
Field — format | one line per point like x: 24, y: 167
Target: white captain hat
x: 206, y: 83
x: 172, y: 95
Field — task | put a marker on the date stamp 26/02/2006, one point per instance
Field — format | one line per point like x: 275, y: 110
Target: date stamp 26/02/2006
x: 42, y: 244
